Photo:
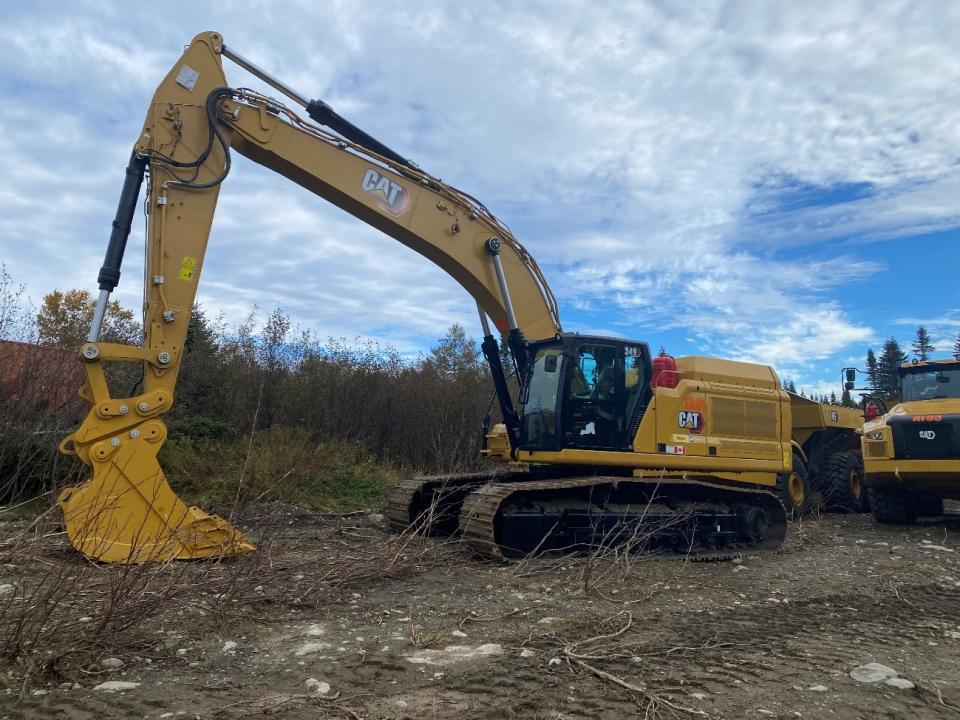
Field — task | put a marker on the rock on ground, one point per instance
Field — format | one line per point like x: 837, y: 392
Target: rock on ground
x: 873, y: 673
x: 899, y: 683
x: 454, y: 653
x: 116, y: 686
x: 310, y: 648
x: 317, y: 686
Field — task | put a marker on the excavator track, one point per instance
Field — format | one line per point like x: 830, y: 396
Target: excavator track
x: 431, y: 503
x: 698, y: 520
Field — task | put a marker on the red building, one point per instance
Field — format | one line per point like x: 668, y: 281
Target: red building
x: 39, y: 376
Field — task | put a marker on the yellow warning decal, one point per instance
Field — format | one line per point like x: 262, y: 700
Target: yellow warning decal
x: 187, y: 266
x: 787, y: 458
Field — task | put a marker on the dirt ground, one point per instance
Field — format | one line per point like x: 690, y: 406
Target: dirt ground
x: 421, y: 630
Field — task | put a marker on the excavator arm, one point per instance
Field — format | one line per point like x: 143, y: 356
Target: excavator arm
x: 127, y: 512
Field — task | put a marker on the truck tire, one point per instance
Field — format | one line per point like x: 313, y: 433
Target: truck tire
x: 842, y: 483
x: 891, y: 507
x: 927, y: 505
x: 795, y: 489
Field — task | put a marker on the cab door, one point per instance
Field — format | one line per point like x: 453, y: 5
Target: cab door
x: 605, y: 383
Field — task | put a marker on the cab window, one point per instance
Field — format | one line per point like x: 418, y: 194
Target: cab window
x: 591, y: 403
x: 634, y: 378
x: 540, y: 404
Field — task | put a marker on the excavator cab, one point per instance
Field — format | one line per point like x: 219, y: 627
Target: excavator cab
x: 584, y: 392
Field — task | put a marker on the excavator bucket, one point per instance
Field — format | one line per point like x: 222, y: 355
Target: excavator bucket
x: 128, y: 513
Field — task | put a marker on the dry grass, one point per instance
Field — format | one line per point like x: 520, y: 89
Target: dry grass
x: 65, y: 613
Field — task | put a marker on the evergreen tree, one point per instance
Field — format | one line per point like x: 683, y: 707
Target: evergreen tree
x: 204, y: 380
x: 956, y: 348
x: 922, y: 347
x: 891, y: 358
x: 455, y: 353
x: 846, y: 400
x: 833, y: 398
x: 201, y: 335
x: 871, y: 370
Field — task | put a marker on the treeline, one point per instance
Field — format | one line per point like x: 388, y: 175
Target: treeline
x: 881, y: 369
x: 424, y: 414
x: 845, y: 400
x: 415, y: 414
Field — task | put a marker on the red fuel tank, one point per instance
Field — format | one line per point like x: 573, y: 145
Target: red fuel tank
x: 664, y: 371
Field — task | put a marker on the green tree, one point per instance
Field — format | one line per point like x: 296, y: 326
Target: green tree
x: 203, y: 378
x: 871, y: 370
x: 833, y: 398
x: 455, y: 353
x: 201, y: 335
x: 956, y: 348
x: 846, y: 400
x: 888, y: 364
x: 274, y: 351
x: 922, y: 346
x: 64, y: 320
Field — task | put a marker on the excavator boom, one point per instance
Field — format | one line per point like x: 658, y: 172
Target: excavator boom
x: 127, y: 512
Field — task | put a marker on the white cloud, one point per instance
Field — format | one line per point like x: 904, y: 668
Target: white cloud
x: 642, y: 152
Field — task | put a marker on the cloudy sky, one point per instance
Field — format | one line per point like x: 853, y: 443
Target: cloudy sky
x: 774, y: 181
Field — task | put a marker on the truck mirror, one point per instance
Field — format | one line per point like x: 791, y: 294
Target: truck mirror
x: 848, y: 385
x: 851, y: 374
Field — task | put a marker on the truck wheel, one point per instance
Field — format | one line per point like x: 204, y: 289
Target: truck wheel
x: 842, y: 485
x: 927, y: 505
x: 794, y: 488
x: 892, y: 507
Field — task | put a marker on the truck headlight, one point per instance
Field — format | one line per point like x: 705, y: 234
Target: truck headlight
x: 875, y: 435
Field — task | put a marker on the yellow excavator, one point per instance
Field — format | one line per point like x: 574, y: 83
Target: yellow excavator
x: 603, y: 442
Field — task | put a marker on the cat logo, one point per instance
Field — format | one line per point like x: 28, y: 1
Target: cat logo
x: 690, y: 420
x: 834, y: 416
x: 391, y: 197
x: 928, y: 434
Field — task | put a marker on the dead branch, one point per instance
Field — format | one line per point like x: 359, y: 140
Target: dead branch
x: 652, y: 699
